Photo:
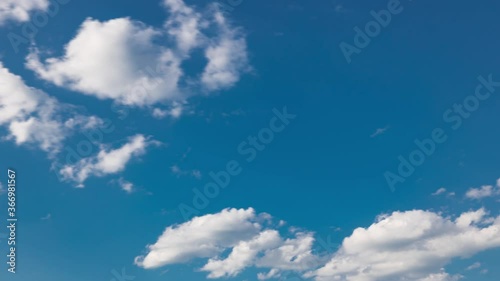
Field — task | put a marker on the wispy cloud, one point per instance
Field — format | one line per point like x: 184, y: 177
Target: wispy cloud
x: 339, y: 8
x: 442, y: 191
x: 47, y: 217
x: 125, y: 185
x: 107, y: 161
x: 439, y: 191
x: 176, y: 170
x: 379, y: 131
x: 483, y: 191
x: 474, y: 266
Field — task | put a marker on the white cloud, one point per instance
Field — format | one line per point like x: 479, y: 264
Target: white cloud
x: 273, y: 273
x: 403, y: 246
x: 175, y: 111
x: 184, y: 25
x: 84, y: 122
x: 441, y: 277
x: 19, y: 10
x: 47, y: 217
x: 482, y: 192
x: 294, y: 254
x: 411, y: 245
x: 473, y: 266
x: 107, y: 161
x: 33, y: 117
x: 160, y: 113
x: 470, y: 218
x: 242, y: 255
x: 117, y: 60
x: 176, y: 170
x: 242, y: 232
x: 123, y: 60
x: 379, y: 131
x: 439, y: 191
x: 202, y: 237
x: 126, y: 185
x: 28, y: 113
x: 226, y: 56
x: 196, y: 174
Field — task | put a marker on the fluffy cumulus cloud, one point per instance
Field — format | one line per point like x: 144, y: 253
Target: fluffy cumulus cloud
x: 19, y: 10
x: 242, y: 255
x: 30, y: 116
x: 294, y: 254
x: 403, y: 246
x: 242, y: 232
x: 139, y: 65
x: 106, y: 162
x: 202, y: 237
x: 413, y: 245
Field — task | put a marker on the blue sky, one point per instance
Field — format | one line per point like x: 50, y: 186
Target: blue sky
x: 114, y: 115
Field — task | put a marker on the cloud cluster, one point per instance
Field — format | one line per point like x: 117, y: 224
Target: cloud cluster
x: 33, y: 117
x: 19, y: 10
x: 139, y: 65
x: 123, y: 60
x: 410, y: 246
x: 106, y: 162
x: 241, y: 231
x: 413, y: 245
